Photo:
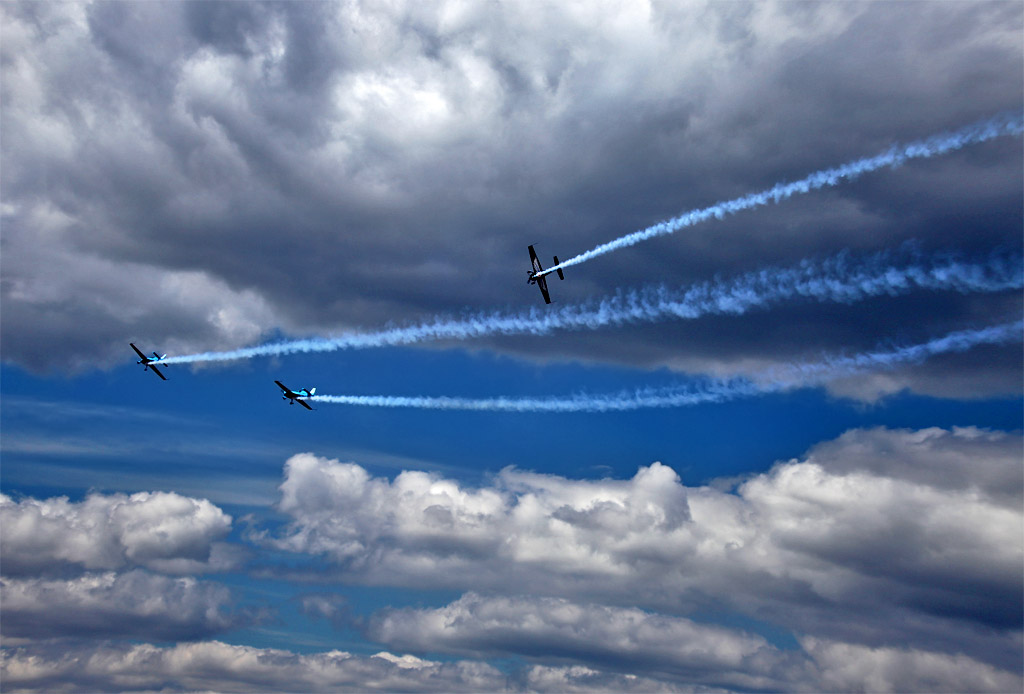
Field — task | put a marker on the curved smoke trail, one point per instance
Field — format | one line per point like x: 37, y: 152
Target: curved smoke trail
x: 712, y: 390
x: 842, y: 278
x: 1005, y: 124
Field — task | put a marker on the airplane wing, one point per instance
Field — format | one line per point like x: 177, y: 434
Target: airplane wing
x: 543, y: 284
x: 282, y: 386
x: 157, y: 372
x: 137, y: 351
x: 303, y: 403
x: 535, y: 260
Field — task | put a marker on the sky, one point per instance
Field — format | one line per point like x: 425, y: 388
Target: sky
x: 775, y: 448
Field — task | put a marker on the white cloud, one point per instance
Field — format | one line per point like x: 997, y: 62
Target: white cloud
x: 161, y: 531
x: 850, y: 667
x: 525, y: 519
x: 627, y: 640
x: 882, y: 537
x: 582, y: 679
x: 573, y: 646
x: 130, y: 605
x: 216, y: 666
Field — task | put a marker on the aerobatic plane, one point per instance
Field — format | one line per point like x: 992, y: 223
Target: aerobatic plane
x: 148, y: 361
x: 296, y: 396
x: 536, y: 275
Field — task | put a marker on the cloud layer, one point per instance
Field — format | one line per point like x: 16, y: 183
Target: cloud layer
x: 216, y: 666
x: 883, y: 560
x: 201, y: 176
x: 684, y: 655
x: 883, y: 537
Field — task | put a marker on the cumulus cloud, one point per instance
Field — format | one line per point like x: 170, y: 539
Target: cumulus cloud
x: 160, y: 531
x: 882, y: 537
x: 624, y: 639
x: 216, y: 666
x: 170, y: 169
x: 95, y: 568
x: 525, y: 518
x: 130, y: 605
x: 851, y: 667
x: 608, y: 646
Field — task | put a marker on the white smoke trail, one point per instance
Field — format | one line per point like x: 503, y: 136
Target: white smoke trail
x: 713, y: 390
x: 842, y: 278
x: 1005, y: 124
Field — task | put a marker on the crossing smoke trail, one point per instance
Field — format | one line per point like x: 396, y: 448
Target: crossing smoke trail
x: 712, y: 390
x: 1005, y: 124
x: 841, y: 278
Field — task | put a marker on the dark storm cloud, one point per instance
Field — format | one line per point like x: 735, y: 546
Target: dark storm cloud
x: 310, y: 166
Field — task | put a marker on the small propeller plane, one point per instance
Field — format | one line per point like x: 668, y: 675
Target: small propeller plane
x: 148, y: 361
x: 536, y: 275
x: 296, y: 396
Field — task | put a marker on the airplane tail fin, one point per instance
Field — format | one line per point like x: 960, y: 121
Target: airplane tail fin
x: 312, y: 390
x: 559, y: 270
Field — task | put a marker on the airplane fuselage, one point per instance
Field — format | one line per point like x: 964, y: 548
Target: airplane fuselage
x: 296, y: 396
x: 149, y: 363
x: 537, y: 274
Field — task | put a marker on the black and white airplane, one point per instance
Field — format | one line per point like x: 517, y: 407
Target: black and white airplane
x: 296, y: 396
x: 148, y: 361
x: 536, y: 275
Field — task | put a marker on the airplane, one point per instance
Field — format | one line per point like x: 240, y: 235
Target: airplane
x: 536, y: 276
x: 148, y: 361
x: 295, y: 396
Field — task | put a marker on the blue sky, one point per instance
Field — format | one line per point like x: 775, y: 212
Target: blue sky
x: 196, y: 177
x: 224, y: 432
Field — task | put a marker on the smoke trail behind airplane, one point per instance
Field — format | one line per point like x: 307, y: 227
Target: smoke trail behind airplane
x: 999, y: 126
x: 843, y: 278
x: 706, y: 391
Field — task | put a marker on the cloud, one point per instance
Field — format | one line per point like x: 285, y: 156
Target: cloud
x: 881, y: 537
x: 424, y: 518
x: 217, y: 666
x: 568, y: 644
x: 160, y: 531
x: 580, y: 678
x: 94, y: 568
x: 204, y: 175
x: 627, y: 640
x: 333, y: 608
x: 849, y: 667
x: 135, y: 604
